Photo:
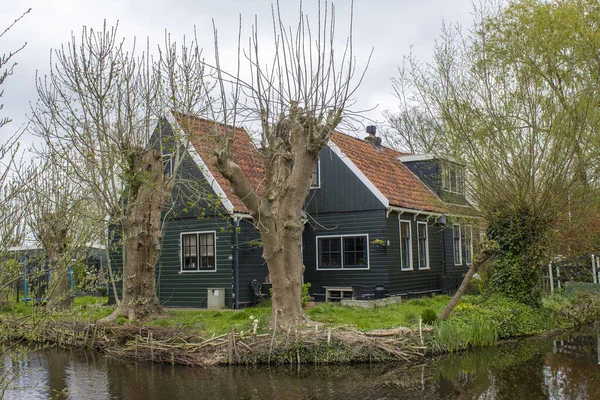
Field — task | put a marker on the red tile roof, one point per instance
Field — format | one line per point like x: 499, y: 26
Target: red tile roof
x: 379, y: 164
x: 201, y: 132
x: 392, y: 178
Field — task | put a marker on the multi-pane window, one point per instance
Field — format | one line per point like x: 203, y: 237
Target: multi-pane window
x: 338, y: 252
x: 315, y: 182
x: 423, y: 245
x: 198, y: 251
x: 469, y: 244
x: 457, y: 245
x: 405, y: 246
x: 453, y: 178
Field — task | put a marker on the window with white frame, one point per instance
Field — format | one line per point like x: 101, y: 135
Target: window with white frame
x: 469, y: 244
x: 168, y: 164
x: 453, y: 177
x: 457, y: 245
x: 343, y: 252
x: 423, y: 241
x: 405, y: 246
x: 315, y: 182
x: 198, y: 251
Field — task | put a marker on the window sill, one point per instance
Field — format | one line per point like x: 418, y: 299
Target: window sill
x: 197, y: 271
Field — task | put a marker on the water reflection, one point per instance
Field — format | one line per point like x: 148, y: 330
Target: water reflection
x: 532, y: 369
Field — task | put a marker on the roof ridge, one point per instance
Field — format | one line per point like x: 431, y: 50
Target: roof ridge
x: 210, y: 121
x: 399, y: 153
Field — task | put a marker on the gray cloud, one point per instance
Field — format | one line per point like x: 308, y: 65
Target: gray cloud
x: 390, y: 27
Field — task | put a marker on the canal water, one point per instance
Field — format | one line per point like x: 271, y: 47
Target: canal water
x: 568, y: 368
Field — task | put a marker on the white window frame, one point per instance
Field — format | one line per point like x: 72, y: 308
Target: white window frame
x: 426, y: 266
x: 454, y: 241
x: 447, y: 168
x: 410, y: 267
x: 198, y: 270
x: 318, y: 185
x: 169, y: 165
x: 469, y: 244
x: 341, y: 237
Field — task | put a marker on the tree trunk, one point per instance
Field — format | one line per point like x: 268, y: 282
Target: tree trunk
x: 477, y: 263
x: 141, y: 230
x: 282, y: 251
x: 54, y: 239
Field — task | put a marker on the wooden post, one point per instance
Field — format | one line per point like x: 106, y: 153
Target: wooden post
x: 551, y: 278
x: 594, y: 275
x: 557, y: 277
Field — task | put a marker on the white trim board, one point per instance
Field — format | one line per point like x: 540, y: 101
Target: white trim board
x: 359, y: 174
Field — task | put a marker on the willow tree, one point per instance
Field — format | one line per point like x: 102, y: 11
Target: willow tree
x: 517, y: 100
x: 99, y: 110
x: 298, y: 98
x: 61, y: 217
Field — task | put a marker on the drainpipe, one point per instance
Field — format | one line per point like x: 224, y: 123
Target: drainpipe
x: 236, y: 225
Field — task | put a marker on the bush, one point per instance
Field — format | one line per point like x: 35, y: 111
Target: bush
x: 574, y: 312
x: 428, y: 316
x: 505, y: 318
x: 305, y: 295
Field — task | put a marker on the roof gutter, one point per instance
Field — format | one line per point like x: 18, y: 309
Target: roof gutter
x: 420, y: 212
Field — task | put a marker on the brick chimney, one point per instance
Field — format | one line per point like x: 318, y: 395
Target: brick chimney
x: 372, y: 139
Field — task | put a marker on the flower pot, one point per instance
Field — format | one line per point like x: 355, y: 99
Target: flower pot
x: 308, y: 304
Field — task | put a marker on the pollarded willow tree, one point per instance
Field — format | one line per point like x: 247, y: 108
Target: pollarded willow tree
x: 517, y: 99
x: 299, y: 97
x: 98, y: 111
x: 61, y: 217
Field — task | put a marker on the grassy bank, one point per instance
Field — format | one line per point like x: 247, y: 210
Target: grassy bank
x: 347, y: 334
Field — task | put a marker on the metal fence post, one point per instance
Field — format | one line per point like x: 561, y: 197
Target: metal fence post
x: 551, y: 278
x: 594, y: 274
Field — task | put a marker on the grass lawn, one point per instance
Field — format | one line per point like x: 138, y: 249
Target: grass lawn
x: 331, y: 314
x: 90, y: 309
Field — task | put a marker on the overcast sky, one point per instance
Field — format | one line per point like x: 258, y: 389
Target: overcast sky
x: 390, y: 27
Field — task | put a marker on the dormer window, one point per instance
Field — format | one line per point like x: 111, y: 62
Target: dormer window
x: 315, y: 182
x: 453, y: 178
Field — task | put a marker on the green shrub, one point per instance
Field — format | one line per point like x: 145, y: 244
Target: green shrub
x: 428, y: 316
x: 574, y: 312
x: 305, y: 295
x: 521, y: 236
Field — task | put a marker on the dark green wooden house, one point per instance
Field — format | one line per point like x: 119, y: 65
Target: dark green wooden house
x: 374, y: 217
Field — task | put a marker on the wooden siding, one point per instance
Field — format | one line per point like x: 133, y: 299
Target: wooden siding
x: 449, y: 244
x: 349, y: 223
x: 251, y: 264
x: 414, y: 280
x: 189, y: 289
x: 341, y: 190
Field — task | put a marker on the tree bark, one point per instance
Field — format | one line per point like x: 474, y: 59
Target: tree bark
x: 54, y: 240
x: 282, y: 251
x: 149, y: 192
x: 477, y: 263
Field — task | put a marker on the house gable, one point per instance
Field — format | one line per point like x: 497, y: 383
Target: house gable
x: 196, y: 193
x: 340, y: 189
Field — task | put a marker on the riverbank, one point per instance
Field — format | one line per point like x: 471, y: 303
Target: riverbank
x: 348, y: 335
